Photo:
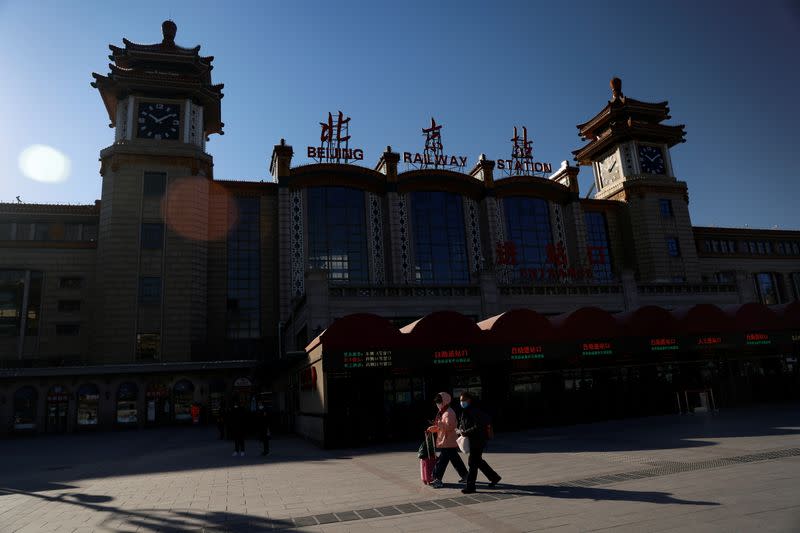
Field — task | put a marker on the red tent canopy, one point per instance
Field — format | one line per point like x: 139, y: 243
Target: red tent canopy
x: 360, y: 331
x: 703, y: 318
x: 647, y: 321
x: 518, y: 326
x: 753, y: 316
x: 789, y: 314
x: 585, y: 323
x: 442, y: 328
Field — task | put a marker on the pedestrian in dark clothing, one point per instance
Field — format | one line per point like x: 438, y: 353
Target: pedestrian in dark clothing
x: 263, y: 428
x: 237, y: 427
x: 473, y: 425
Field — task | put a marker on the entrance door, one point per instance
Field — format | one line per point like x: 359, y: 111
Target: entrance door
x: 57, y: 409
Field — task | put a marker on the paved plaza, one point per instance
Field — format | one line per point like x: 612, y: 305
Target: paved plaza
x: 734, y: 471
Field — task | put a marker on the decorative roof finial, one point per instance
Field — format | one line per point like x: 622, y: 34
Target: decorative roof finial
x: 616, y: 88
x: 168, y: 30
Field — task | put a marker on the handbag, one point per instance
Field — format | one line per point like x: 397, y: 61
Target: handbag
x: 463, y: 444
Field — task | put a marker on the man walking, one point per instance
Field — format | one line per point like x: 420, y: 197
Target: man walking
x: 473, y: 425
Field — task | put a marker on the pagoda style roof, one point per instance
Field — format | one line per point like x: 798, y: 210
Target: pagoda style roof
x: 625, y: 118
x: 161, y: 70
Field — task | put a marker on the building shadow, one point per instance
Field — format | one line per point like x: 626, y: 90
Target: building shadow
x: 159, y: 519
x: 601, y: 494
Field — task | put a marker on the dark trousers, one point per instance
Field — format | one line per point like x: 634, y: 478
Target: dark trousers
x: 238, y: 440
x: 476, y: 462
x: 448, y: 455
x: 265, y: 443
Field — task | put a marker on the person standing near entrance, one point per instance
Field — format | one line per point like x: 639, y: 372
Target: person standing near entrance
x: 444, y: 426
x: 263, y: 428
x: 473, y: 424
x: 237, y: 427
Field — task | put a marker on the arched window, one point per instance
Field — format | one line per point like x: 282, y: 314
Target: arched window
x: 439, y: 238
x: 529, y: 229
x: 88, y: 404
x: 25, y: 403
x: 127, y: 403
x: 182, y: 399
x: 337, y: 234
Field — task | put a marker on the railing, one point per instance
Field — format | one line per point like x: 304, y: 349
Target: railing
x: 686, y: 288
x: 559, y: 290
x: 402, y: 291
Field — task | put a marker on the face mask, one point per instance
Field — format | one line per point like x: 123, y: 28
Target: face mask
x: 464, y: 405
x: 438, y: 405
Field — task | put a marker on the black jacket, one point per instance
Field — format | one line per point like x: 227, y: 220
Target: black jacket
x: 472, y: 424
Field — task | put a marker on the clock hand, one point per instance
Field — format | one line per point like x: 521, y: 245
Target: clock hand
x: 165, y: 117
x: 151, y: 116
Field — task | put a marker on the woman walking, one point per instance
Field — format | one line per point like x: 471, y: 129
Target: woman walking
x: 444, y: 426
x: 473, y: 424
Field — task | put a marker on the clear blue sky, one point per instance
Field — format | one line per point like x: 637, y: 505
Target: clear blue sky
x: 730, y: 71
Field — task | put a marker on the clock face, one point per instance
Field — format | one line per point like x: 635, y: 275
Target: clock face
x: 158, y: 121
x: 609, y: 170
x: 651, y: 160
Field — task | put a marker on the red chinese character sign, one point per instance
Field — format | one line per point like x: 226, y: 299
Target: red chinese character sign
x: 555, y: 269
x: 334, y: 141
x: 433, y: 155
x: 521, y: 162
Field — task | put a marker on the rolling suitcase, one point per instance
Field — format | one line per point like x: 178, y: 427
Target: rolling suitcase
x: 427, y: 461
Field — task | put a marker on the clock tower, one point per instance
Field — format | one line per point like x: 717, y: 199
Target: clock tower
x: 151, y: 276
x: 629, y: 152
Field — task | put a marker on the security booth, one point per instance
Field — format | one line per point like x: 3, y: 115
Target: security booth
x: 520, y: 346
x: 446, y: 351
x: 354, y: 383
x: 761, y: 337
x: 589, y: 345
x: 650, y: 337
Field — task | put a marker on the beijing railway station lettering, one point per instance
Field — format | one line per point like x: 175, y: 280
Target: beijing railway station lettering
x: 335, y: 142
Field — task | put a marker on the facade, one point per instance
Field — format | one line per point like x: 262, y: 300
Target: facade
x: 176, y: 286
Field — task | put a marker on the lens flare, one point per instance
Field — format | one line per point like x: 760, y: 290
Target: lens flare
x: 44, y: 163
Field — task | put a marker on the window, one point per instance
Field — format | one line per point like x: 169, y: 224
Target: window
x: 152, y: 236
x: 781, y: 249
x: 243, y: 315
x: 439, y: 238
x: 673, y: 247
x: 12, y: 287
x: 90, y: 232
x: 6, y: 231
x: 727, y: 276
x: 155, y: 183
x: 715, y: 247
x: 150, y: 290
x: 70, y: 283
x: 752, y: 247
x: 760, y: 247
x: 665, y: 207
x: 795, y: 277
x: 767, y: 288
x: 72, y: 232
x: 528, y: 224
x: 67, y: 330
x: 597, y: 246
x: 24, y: 231
x: 42, y: 231
x: 69, y: 306
x: 795, y: 249
x: 148, y: 346
x: 337, y: 235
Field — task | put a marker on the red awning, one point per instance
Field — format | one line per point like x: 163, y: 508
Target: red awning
x: 443, y: 328
x: 789, y: 314
x: 585, y: 324
x: 359, y: 331
x: 647, y: 321
x: 518, y: 326
x: 753, y: 316
x: 703, y: 318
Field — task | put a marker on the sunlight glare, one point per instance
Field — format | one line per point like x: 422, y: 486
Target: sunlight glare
x: 44, y: 163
